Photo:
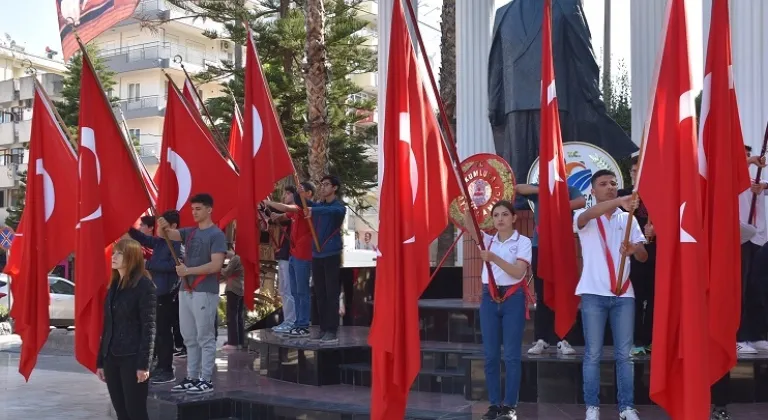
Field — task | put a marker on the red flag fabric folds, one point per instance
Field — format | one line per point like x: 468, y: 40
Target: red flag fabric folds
x: 724, y: 175
x: 48, y: 224
x: 557, y: 253
x: 190, y: 164
x: 111, y: 196
x: 417, y: 187
x: 669, y: 183
x: 263, y: 160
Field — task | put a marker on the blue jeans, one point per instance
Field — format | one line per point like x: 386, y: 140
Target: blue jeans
x: 620, y: 312
x: 299, y: 271
x: 502, y: 323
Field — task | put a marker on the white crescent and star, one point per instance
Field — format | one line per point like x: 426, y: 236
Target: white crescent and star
x: 183, y: 177
x: 405, y: 136
x: 88, y: 142
x: 554, y: 175
x: 258, y: 130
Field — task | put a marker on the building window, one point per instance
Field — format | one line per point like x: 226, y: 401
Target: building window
x: 135, y: 134
x: 134, y: 91
x: 12, y: 199
x: 2, y: 197
x: 12, y: 156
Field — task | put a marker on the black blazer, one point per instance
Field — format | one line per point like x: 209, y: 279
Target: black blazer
x: 129, y: 323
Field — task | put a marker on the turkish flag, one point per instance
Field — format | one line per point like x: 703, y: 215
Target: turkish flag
x: 111, y: 195
x: 190, y: 164
x: 48, y: 224
x: 724, y: 175
x: 417, y: 187
x: 557, y: 253
x: 263, y: 160
x: 191, y: 97
x: 235, y: 140
x: 668, y: 181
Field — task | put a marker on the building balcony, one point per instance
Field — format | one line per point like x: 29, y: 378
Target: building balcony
x: 10, y: 173
x: 7, y: 133
x: 15, y: 132
x: 153, y: 55
x: 9, y: 90
x: 143, y: 107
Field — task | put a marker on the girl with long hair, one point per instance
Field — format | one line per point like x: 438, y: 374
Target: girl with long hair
x: 502, y: 323
x: 128, y: 336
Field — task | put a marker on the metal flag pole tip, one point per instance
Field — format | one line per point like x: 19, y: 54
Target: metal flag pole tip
x: 28, y: 67
x: 178, y: 59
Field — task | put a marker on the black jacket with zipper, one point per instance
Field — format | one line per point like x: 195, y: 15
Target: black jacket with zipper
x: 129, y: 323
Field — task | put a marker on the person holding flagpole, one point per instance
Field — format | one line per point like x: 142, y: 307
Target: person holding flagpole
x: 601, y: 233
x: 502, y: 323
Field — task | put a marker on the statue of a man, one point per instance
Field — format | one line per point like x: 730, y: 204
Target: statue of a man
x: 514, y: 83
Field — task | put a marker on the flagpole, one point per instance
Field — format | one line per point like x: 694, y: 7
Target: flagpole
x: 282, y: 134
x: 445, y: 257
x: 219, y: 138
x: 143, y: 167
x: 87, y: 61
x: 64, y: 128
x: 447, y: 137
x: 753, y: 206
x: 630, y: 218
x: 217, y: 141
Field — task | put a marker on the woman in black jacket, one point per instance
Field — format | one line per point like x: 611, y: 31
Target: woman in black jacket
x: 128, y: 336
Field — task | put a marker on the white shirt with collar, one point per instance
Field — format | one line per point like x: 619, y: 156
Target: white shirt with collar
x: 745, y: 203
x: 595, y: 277
x: 516, y: 247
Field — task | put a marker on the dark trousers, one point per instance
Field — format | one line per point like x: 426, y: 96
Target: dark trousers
x: 128, y: 396
x: 751, y: 326
x: 178, y: 340
x: 325, y: 275
x: 164, y: 345
x: 721, y: 396
x: 643, y: 277
x: 235, y: 320
x: 544, y: 319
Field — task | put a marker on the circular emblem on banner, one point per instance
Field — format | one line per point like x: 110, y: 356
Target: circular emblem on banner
x: 581, y: 161
x: 6, y: 237
x: 489, y: 180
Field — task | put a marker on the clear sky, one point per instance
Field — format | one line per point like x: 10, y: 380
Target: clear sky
x: 33, y: 23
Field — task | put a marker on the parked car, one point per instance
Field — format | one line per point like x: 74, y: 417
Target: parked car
x: 62, y: 292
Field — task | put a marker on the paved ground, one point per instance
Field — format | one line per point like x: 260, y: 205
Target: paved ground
x: 59, y: 387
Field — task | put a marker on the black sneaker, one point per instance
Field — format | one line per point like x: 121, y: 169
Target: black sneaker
x: 181, y: 354
x: 492, y: 414
x: 507, y: 413
x: 185, y: 385
x: 317, y: 335
x: 329, y: 338
x: 162, y: 377
x: 298, y: 332
x: 720, y: 414
x: 202, y: 387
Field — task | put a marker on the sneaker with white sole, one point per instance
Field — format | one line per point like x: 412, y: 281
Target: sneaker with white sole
x: 745, y: 348
x: 593, y: 413
x: 538, y: 348
x: 761, y: 345
x: 202, y: 387
x: 565, y: 348
x: 185, y: 385
x: 629, y: 414
x: 283, y: 328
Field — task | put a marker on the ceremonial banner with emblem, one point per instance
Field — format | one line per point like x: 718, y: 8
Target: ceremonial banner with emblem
x: 89, y: 19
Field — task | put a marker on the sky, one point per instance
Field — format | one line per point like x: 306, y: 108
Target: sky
x: 33, y: 24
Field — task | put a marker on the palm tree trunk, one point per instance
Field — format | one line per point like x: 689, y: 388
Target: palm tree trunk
x: 448, y: 93
x: 316, y: 78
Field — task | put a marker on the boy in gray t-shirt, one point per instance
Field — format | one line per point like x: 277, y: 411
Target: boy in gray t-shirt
x: 205, y: 246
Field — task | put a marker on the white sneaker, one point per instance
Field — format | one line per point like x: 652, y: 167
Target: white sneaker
x: 761, y: 345
x: 745, y: 348
x: 593, y: 413
x: 565, y: 348
x: 629, y: 414
x: 538, y: 348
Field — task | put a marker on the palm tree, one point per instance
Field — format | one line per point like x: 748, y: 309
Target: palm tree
x: 448, y: 93
x: 316, y: 79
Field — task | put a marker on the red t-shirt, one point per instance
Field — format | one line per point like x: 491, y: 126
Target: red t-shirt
x: 301, y: 237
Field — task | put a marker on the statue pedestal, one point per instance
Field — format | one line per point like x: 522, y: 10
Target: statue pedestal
x: 473, y: 265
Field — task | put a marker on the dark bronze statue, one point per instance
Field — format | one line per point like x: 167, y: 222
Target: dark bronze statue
x: 514, y: 70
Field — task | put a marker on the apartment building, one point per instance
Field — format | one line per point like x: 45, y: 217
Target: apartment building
x: 141, y: 57
x: 17, y: 91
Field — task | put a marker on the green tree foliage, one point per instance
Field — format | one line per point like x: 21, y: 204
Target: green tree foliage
x: 280, y: 34
x: 14, y: 212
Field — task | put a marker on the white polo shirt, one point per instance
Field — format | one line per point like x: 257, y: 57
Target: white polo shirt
x: 760, y: 236
x: 516, y: 247
x: 595, y: 277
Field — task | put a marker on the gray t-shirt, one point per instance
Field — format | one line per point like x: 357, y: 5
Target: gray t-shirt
x: 199, y: 244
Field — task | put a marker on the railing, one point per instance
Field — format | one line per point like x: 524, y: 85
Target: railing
x: 150, y: 5
x: 143, y: 102
x: 157, y: 50
x: 148, y: 150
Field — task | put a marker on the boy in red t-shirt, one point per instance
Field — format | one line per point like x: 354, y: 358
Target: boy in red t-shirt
x: 300, y: 260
